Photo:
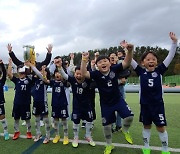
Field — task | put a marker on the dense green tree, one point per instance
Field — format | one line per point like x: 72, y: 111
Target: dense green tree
x: 161, y: 53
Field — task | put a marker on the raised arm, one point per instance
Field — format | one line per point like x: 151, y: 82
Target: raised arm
x: 10, y: 74
x: 84, y: 72
x: 15, y: 60
x: 172, y: 51
x: 128, y: 58
x: 42, y: 76
x: 48, y: 56
x: 71, y: 68
x: 124, y: 45
x: 3, y: 79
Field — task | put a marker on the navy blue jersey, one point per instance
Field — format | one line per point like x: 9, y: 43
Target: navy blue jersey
x: 151, y: 84
x: 2, y: 82
x: 108, y: 84
x: 39, y: 91
x: 58, y: 93
x: 22, y: 90
x: 81, y: 93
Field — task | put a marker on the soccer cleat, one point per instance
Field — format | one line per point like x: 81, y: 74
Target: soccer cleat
x: 165, y: 152
x: 66, y: 140
x: 29, y: 135
x: 75, y: 143
x: 37, y: 137
x: 128, y: 137
x: 46, y: 140
x: 6, y: 136
x: 56, y: 139
x: 91, y: 142
x: 41, y: 123
x: 108, y: 149
x: 16, y: 135
x: 146, y: 151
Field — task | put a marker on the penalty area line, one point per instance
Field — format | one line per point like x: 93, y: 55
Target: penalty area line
x: 115, y: 144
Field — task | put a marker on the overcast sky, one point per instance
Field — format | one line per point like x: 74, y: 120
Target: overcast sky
x: 80, y: 25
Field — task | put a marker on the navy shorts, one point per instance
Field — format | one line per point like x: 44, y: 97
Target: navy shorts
x: 153, y: 113
x: 2, y: 110
x: 40, y: 108
x: 81, y: 114
x: 21, y: 111
x: 108, y: 112
x: 60, y: 112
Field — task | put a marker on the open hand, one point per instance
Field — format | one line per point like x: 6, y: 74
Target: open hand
x: 9, y: 47
x: 173, y: 37
x: 49, y: 48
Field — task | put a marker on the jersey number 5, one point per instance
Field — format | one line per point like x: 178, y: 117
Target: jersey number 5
x: 150, y: 82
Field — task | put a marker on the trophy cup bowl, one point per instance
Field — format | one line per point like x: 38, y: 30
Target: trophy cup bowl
x: 29, y: 54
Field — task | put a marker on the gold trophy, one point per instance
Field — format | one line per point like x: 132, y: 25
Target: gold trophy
x: 29, y: 54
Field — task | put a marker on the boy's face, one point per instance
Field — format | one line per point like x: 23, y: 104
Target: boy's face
x: 103, y: 65
x: 120, y: 54
x: 58, y: 76
x: 112, y: 58
x: 78, y: 75
x: 22, y: 75
x: 150, y: 62
x: 57, y: 60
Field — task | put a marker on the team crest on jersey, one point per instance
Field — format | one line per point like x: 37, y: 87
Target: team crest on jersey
x: 154, y: 74
x: 41, y: 82
x: 84, y: 84
x: 111, y: 75
x: 26, y: 81
x: 61, y: 84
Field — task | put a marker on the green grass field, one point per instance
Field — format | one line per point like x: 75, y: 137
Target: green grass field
x: 21, y: 145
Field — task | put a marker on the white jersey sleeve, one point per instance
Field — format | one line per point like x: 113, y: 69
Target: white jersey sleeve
x: 170, y: 55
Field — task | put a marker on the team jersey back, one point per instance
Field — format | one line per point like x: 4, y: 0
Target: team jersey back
x: 81, y: 93
x: 58, y: 93
x: 108, y: 84
x: 22, y: 90
x: 40, y: 91
x: 151, y: 84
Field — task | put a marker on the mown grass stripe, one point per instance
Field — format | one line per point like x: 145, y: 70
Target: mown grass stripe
x: 35, y: 145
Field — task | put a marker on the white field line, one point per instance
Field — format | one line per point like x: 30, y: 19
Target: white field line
x: 115, y: 144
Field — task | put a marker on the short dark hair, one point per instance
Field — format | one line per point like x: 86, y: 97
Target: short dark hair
x: 77, y: 68
x: 146, y: 53
x: 57, y: 57
x: 112, y: 53
x: 102, y: 57
x: 122, y: 51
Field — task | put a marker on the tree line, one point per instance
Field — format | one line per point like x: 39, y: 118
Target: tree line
x: 173, y: 69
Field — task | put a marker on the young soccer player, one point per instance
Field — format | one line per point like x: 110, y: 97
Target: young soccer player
x: 82, y: 109
x: 111, y: 100
x: 59, y: 105
x: 151, y: 100
x: 40, y: 104
x: 22, y: 99
x: 2, y: 100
